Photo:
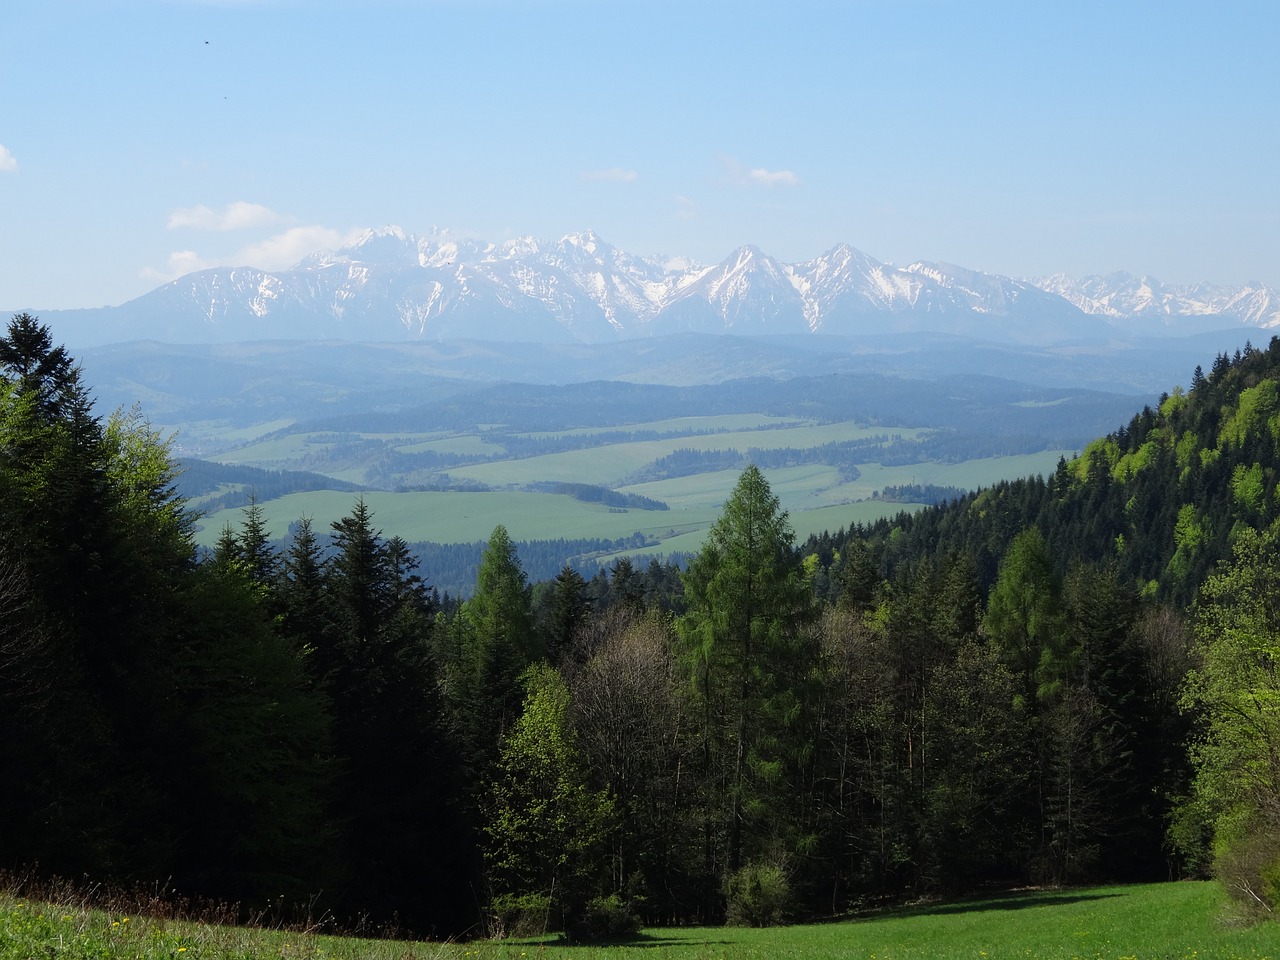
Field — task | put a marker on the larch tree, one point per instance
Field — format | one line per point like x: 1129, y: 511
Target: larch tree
x: 746, y: 600
x: 496, y: 642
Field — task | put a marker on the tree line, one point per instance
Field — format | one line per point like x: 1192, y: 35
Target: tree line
x: 969, y: 696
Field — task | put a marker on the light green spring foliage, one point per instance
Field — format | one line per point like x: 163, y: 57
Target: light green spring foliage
x: 1025, y: 618
x: 1236, y: 690
x: 1248, y: 487
x: 1102, y: 453
x: 1175, y: 401
x: 545, y: 825
x: 746, y: 589
x: 499, y: 611
x: 1253, y: 417
x: 141, y: 470
x: 1129, y: 465
x: 1189, y: 533
x: 1257, y: 412
x: 493, y: 644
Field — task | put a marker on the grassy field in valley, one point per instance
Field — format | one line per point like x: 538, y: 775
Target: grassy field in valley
x: 590, y: 466
x: 1176, y: 921
x: 814, y: 494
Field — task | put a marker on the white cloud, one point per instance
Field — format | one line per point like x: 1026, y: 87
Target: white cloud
x: 285, y: 249
x: 235, y: 216
x: 277, y: 252
x: 758, y: 176
x: 773, y: 178
x: 614, y: 174
x: 180, y: 263
x: 686, y: 209
x: 8, y: 162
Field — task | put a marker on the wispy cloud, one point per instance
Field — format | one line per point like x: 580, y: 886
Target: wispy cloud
x: 235, y: 216
x: 287, y: 248
x: 773, y: 178
x: 758, y: 176
x: 277, y: 252
x: 686, y: 209
x: 8, y: 162
x: 180, y: 263
x: 613, y: 174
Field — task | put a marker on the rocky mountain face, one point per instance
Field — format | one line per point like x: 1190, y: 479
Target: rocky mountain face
x: 392, y: 286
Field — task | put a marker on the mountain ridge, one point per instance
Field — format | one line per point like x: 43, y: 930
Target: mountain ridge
x: 390, y: 285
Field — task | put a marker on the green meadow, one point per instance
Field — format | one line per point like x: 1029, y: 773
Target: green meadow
x: 1172, y: 921
x: 690, y: 425
x: 817, y: 496
x: 813, y: 494
x: 612, y: 463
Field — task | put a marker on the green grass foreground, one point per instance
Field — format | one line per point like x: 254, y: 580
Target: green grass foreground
x: 1175, y: 920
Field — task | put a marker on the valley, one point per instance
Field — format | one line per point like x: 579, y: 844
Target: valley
x: 605, y: 469
x: 502, y: 489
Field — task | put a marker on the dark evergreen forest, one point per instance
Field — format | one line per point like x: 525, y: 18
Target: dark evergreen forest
x: 1056, y: 680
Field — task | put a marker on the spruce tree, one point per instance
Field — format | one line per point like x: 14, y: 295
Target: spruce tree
x: 496, y: 642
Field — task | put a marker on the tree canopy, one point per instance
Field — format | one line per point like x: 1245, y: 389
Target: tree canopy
x: 1014, y: 687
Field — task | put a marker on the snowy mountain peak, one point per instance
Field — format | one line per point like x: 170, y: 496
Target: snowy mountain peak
x: 1122, y: 295
x: 845, y: 256
x: 384, y: 245
x: 387, y: 283
x: 391, y: 231
x: 587, y: 240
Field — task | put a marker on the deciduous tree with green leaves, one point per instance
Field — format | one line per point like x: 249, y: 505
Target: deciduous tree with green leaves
x: 546, y: 830
x: 1235, y: 690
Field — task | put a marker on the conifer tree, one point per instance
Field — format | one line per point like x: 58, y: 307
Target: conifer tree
x: 408, y: 851
x: 747, y: 598
x: 300, y: 593
x: 174, y: 739
x: 496, y: 644
x: 567, y: 613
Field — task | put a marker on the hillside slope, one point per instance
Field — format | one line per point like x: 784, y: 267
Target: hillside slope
x: 1159, y: 499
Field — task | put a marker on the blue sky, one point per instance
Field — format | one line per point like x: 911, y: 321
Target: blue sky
x: 140, y: 139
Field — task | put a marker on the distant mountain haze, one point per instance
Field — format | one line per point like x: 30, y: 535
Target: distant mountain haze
x: 392, y: 286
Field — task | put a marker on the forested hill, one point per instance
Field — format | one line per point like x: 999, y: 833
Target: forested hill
x: 764, y: 735
x: 1158, y: 500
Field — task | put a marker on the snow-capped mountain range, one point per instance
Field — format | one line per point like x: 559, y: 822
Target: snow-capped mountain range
x: 1123, y: 296
x: 389, y: 285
